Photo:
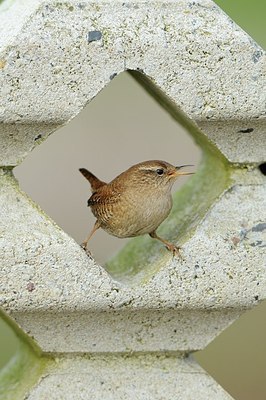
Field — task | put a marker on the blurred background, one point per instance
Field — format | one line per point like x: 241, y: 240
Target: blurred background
x: 120, y: 127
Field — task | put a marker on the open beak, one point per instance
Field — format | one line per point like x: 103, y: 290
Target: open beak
x: 178, y: 173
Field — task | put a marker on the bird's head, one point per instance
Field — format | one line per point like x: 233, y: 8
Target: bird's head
x: 155, y: 173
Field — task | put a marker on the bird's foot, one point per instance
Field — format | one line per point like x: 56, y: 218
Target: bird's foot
x: 175, y: 250
x: 87, y: 251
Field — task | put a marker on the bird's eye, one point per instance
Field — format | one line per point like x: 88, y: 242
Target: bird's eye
x: 159, y: 171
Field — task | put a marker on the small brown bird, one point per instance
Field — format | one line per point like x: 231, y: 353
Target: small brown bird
x: 135, y: 202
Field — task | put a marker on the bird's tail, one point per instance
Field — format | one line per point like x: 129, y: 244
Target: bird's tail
x: 94, y: 181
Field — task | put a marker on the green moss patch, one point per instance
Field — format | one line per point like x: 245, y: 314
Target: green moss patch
x: 142, y: 257
x: 24, y: 368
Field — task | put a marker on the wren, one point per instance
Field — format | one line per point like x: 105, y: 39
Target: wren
x: 136, y: 202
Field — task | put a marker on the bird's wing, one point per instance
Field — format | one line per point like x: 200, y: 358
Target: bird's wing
x: 102, y: 203
x: 105, y: 195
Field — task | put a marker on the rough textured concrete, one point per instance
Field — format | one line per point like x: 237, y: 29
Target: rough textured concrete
x: 191, y: 50
x: 238, y: 138
x: 54, y: 58
x: 223, y: 267
x: 126, y: 331
x: 142, y: 377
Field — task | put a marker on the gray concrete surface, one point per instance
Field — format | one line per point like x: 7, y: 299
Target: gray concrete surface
x: 59, y: 56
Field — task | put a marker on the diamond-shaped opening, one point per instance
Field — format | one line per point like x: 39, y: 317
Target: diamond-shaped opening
x: 21, y: 363
x: 141, y: 257
x: 236, y: 358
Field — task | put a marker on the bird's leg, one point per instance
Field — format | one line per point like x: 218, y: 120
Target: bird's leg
x: 94, y: 229
x: 170, y: 246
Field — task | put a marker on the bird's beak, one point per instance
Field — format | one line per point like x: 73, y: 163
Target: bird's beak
x: 178, y: 173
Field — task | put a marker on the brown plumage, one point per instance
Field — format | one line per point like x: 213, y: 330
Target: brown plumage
x: 94, y: 181
x: 135, y: 202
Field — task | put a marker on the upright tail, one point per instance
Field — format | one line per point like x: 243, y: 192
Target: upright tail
x: 94, y: 181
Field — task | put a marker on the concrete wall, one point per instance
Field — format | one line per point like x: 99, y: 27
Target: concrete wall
x: 146, y: 313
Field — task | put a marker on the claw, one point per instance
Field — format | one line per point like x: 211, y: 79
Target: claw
x: 174, y: 249
x: 88, y: 252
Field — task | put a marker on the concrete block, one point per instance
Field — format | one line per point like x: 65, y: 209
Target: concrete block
x: 55, y: 57
x: 142, y: 377
x: 44, y: 272
x: 205, y: 64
